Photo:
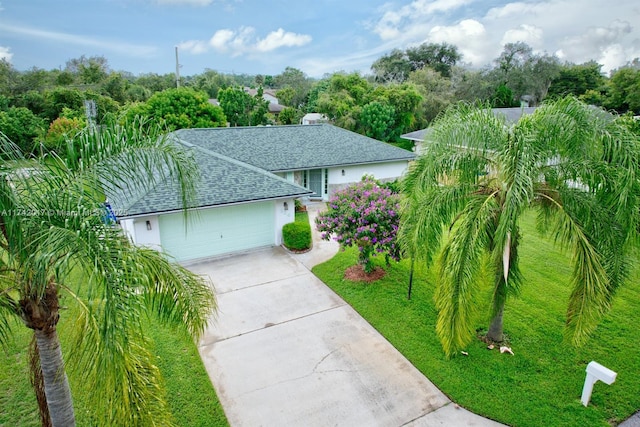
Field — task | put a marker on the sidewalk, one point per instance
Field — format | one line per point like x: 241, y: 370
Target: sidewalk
x: 288, y: 351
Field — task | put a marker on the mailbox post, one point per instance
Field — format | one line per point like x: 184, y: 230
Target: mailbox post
x: 596, y: 372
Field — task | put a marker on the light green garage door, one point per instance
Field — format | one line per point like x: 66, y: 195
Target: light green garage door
x: 217, y: 231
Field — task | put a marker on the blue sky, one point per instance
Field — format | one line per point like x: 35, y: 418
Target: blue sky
x: 318, y: 37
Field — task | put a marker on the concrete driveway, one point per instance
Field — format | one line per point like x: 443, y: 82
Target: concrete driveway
x: 287, y: 351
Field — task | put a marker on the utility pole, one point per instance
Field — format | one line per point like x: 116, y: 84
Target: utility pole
x: 177, y: 69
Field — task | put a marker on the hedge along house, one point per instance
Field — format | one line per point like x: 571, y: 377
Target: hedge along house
x: 249, y: 179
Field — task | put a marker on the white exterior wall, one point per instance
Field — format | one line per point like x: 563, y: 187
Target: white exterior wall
x: 283, y: 216
x: 381, y: 171
x: 136, y: 229
x: 128, y: 229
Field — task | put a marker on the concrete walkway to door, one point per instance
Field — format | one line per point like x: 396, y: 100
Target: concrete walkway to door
x: 287, y: 351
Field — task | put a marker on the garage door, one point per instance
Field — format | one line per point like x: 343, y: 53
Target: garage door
x: 218, y: 231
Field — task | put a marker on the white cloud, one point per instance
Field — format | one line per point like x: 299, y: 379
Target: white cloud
x: 279, y: 38
x: 194, y: 47
x: 244, y: 41
x: 529, y: 34
x: 511, y: 10
x: 81, y: 40
x: 220, y: 40
x: 5, y: 53
x: 469, y: 35
x: 397, y: 22
x: 596, y: 40
x: 241, y: 41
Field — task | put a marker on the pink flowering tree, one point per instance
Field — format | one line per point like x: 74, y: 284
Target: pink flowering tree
x: 363, y: 215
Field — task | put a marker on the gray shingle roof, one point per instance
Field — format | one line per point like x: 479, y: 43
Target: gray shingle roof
x: 511, y: 115
x: 294, y: 147
x: 236, y: 164
x: 222, y: 181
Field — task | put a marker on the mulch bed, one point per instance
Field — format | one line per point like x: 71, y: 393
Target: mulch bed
x: 356, y: 273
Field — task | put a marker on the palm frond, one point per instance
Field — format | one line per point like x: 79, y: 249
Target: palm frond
x: 460, y: 266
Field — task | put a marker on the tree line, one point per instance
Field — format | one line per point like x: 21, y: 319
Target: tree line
x: 405, y: 91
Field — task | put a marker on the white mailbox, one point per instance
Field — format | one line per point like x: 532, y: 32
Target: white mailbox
x: 596, y: 372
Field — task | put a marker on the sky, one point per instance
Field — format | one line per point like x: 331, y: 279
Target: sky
x: 317, y: 37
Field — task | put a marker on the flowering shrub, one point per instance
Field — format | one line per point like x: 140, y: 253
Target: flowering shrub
x: 364, y: 215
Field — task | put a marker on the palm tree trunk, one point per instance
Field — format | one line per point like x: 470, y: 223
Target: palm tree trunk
x: 495, y: 329
x: 56, y: 385
x: 37, y: 381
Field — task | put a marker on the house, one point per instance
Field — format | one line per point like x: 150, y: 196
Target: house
x: 250, y: 177
x: 510, y: 115
x: 313, y: 119
x: 270, y: 96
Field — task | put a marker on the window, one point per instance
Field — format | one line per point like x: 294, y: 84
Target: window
x: 326, y: 181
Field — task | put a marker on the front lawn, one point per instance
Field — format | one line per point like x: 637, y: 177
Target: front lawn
x: 542, y: 383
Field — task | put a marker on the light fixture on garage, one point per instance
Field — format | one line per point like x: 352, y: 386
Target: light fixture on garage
x: 148, y: 225
x: 342, y: 172
x: 286, y: 206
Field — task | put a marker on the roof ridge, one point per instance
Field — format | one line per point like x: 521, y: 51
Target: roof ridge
x: 220, y: 128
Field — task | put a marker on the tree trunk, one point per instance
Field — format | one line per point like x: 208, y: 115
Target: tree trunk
x: 56, y: 385
x: 495, y: 329
x: 40, y: 313
x: 37, y: 381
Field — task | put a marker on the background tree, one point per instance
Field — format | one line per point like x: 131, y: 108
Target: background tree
x: 577, y: 79
x: 62, y: 130
x: 574, y: 164
x: 286, y: 95
x: 56, y: 249
x: 440, y: 57
x: 524, y: 73
x: 238, y: 106
x: 211, y: 82
x: 398, y: 64
x: 289, y: 116
x: 9, y: 78
x: 23, y: 127
x: 392, y: 67
x: 436, y: 91
x: 377, y: 120
x: 623, y: 90
x: 295, y: 79
x: 116, y: 87
x: 364, y: 215
x: 89, y: 70
x: 179, y: 109
x: 156, y: 82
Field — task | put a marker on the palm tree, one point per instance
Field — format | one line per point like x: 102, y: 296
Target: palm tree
x: 58, y: 250
x: 574, y: 164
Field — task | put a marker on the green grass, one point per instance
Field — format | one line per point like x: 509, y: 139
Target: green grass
x: 302, y: 217
x: 542, y: 383
x: 190, y: 394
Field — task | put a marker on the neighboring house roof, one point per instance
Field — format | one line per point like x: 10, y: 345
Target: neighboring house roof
x: 511, y: 115
x: 275, y: 108
x: 294, y: 147
x: 254, y: 92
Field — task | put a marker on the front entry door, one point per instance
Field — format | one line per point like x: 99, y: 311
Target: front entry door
x: 315, y: 182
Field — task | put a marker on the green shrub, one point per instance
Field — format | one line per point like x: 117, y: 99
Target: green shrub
x: 297, y: 236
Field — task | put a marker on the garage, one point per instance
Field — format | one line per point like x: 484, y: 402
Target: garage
x: 217, y: 231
